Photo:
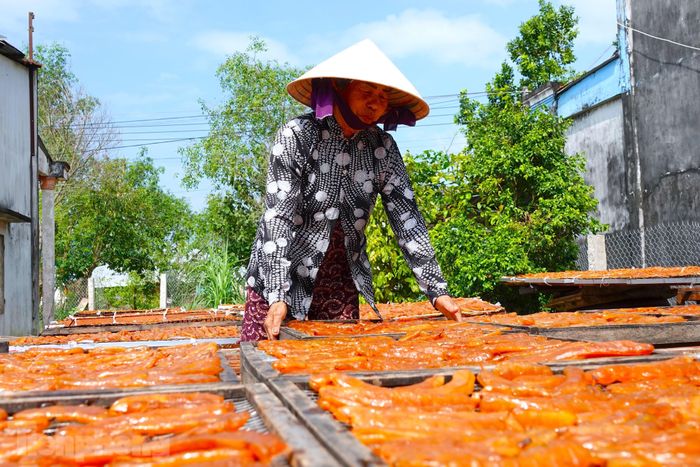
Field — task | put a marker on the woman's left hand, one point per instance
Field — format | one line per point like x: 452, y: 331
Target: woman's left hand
x: 448, y: 307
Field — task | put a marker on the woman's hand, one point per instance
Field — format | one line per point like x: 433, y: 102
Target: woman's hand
x: 273, y: 321
x: 448, y: 307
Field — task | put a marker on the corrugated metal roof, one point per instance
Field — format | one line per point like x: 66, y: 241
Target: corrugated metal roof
x: 593, y: 87
x: 597, y: 86
x: 546, y: 102
x: 10, y: 51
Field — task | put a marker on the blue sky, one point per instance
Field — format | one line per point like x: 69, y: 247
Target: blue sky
x: 154, y: 59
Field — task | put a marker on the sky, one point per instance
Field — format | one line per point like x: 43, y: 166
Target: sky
x: 154, y: 60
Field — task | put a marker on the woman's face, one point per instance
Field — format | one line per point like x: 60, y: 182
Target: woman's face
x: 366, y: 100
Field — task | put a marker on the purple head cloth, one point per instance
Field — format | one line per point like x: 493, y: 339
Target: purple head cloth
x: 324, y: 95
x: 396, y: 116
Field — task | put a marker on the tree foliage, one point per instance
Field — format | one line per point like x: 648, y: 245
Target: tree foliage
x: 233, y: 156
x: 522, y: 200
x: 392, y: 278
x: 513, y: 201
x: 545, y: 47
x: 139, y: 293
x: 110, y: 211
x: 120, y: 217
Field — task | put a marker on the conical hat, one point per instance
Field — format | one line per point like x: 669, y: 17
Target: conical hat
x: 365, y: 62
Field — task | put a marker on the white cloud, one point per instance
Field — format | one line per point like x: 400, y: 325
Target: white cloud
x: 13, y: 16
x: 223, y: 43
x: 465, y: 40
x: 13, y: 19
x: 597, y: 20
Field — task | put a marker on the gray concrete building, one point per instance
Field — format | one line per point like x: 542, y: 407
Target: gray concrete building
x: 23, y: 165
x: 636, y: 120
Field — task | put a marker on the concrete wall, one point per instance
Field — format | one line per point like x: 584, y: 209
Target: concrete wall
x: 14, y: 137
x: 598, y: 135
x: 16, y: 183
x: 666, y: 101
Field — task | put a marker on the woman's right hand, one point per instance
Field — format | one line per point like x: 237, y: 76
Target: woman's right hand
x: 445, y: 305
x: 273, y: 321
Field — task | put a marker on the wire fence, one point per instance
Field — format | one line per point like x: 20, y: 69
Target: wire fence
x: 675, y: 244
x: 182, y: 291
x: 582, y: 260
x: 70, y: 297
x: 660, y: 245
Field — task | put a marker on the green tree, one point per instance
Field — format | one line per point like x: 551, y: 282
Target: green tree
x: 512, y: 201
x: 518, y: 199
x: 120, y: 217
x: 545, y: 47
x: 392, y: 278
x: 234, y: 155
x: 139, y: 293
x: 108, y: 211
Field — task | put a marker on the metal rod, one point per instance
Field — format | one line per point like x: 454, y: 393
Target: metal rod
x: 30, y: 20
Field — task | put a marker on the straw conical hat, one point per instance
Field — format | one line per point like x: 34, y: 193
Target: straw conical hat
x: 365, y: 62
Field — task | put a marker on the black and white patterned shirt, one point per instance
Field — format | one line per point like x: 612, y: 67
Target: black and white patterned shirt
x: 317, y: 177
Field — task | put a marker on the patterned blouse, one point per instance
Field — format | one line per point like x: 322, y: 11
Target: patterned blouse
x: 317, y: 177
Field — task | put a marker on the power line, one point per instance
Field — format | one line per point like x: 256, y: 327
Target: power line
x: 196, y: 116
x: 149, y: 142
x: 129, y: 140
x: 451, y: 141
x: 658, y: 38
x: 154, y: 125
x: 207, y: 129
x: 601, y: 56
x: 421, y: 140
x: 442, y: 96
x: 189, y: 128
x: 446, y: 101
x: 146, y: 120
x: 154, y: 143
x: 435, y: 124
x: 158, y: 132
x: 111, y: 125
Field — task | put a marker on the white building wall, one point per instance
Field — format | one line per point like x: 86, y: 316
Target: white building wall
x: 15, y: 142
x: 15, y: 189
x: 17, y: 318
x: 599, y: 135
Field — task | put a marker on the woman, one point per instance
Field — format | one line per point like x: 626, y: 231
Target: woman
x: 326, y: 170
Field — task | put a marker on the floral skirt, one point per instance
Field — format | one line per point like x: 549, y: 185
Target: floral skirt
x: 334, y: 297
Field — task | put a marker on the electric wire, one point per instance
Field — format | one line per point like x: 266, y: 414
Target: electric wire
x: 658, y: 37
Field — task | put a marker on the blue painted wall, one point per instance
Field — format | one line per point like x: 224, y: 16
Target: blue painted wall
x: 600, y: 85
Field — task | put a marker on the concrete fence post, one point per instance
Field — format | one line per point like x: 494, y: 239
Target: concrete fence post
x: 597, y: 256
x: 163, y: 290
x: 91, y: 293
x: 48, y: 255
